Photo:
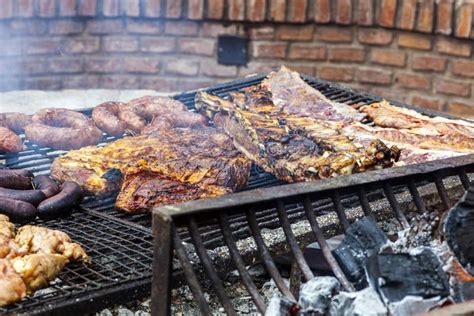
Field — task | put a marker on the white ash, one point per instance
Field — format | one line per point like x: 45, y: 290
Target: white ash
x: 361, y: 303
x: 414, y: 305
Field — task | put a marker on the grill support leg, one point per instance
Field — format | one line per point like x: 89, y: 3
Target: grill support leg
x: 295, y: 279
x: 162, y: 265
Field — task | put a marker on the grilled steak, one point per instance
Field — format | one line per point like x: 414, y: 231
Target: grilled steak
x: 293, y: 148
x: 188, y: 163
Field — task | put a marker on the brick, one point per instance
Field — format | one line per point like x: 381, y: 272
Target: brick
x: 25, y: 8
x: 65, y: 27
x: 388, y: 57
x: 67, y: 7
x: 11, y: 47
x: 322, y: 11
x: 389, y: 93
x: 426, y: 15
x: 297, y: 11
x: 120, y: 44
x: 119, y: 82
x: 374, y: 76
x: 452, y: 87
x: 131, y: 8
x: 215, y: 29
x: 32, y: 66
x: 406, y: 21
x: 278, y: 10
x: 42, y: 46
x: 256, y: 10
x: 182, y: 67
x: 80, y: 82
x: 374, y: 36
x: 152, y: 8
x: 65, y: 66
x: 444, y: 17
x: 194, y: 84
x: 157, y: 44
x: 159, y: 83
x: 387, y: 13
x: 181, y: 28
x: 215, y: 9
x: 262, y: 33
x: 307, y: 52
x: 197, y: 46
x: 141, y: 65
x: 344, y: 11
x: 295, y: 32
x: 7, y: 9
x: 46, y: 8
x: 431, y: 63
x: 268, y: 50
x: 427, y: 103
x: 303, y: 69
x: 103, y: 65
x: 83, y: 45
x: 365, y: 12
x: 344, y: 74
x: 411, y: 81
x: 110, y: 8
x: 453, y: 47
x: 173, y: 9
x: 104, y: 26
x: 42, y: 83
x: 87, y: 7
x: 195, y: 9
x: 415, y: 41
x: 236, y: 10
x: 461, y: 109
x: 464, y: 68
x: 464, y: 20
x: 28, y: 27
x: 212, y: 69
x: 334, y: 34
x: 140, y: 26
x: 258, y: 67
x: 348, y: 54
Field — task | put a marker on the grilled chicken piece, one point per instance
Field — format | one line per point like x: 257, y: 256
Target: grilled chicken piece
x: 291, y: 147
x: 37, y: 270
x: 12, y: 287
x: 7, y: 228
x: 35, y: 239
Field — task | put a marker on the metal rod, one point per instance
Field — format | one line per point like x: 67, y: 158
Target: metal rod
x: 419, y: 203
x: 191, y: 278
x: 336, y: 199
x: 336, y: 269
x: 239, y: 263
x: 162, y: 265
x: 290, y: 238
x: 394, y: 204
x: 267, y: 259
x: 442, y: 191
x: 209, y: 268
x: 295, y: 279
x: 464, y: 179
x: 364, y: 202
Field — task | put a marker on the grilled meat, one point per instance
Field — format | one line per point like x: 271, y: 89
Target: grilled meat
x: 12, y: 287
x: 201, y: 160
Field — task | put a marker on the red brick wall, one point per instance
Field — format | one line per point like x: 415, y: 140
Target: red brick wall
x: 410, y: 50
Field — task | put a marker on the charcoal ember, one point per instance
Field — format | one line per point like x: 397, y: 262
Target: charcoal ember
x: 397, y: 275
x: 361, y: 303
x: 316, y: 294
x: 363, y: 239
x: 281, y: 306
x: 459, y: 230
x: 414, y: 305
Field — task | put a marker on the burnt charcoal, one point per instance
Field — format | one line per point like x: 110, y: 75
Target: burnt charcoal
x: 363, y: 239
x: 459, y: 230
x: 316, y: 294
x: 361, y: 303
x: 281, y: 306
x: 397, y: 275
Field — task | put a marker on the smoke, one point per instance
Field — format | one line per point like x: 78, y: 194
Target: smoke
x: 10, y: 56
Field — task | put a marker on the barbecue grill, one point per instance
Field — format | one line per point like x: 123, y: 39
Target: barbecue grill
x: 214, y: 230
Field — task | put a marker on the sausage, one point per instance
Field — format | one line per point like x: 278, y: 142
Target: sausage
x: 61, y: 203
x: 14, y: 180
x: 45, y: 184
x: 17, y: 211
x: 9, y: 141
x: 105, y: 116
x: 133, y: 120
x: 21, y: 172
x: 15, y: 121
x: 31, y: 196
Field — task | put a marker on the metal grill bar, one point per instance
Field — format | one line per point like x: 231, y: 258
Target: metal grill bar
x: 395, y: 206
x: 364, y: 202
x: 464, y: 178
x: 420, y: 205
x: 336, y: 200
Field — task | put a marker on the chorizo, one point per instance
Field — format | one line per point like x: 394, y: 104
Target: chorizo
x: 106, y: 117
x: 9, y: 141
x: 15, y: 179
x: 15, y: 121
